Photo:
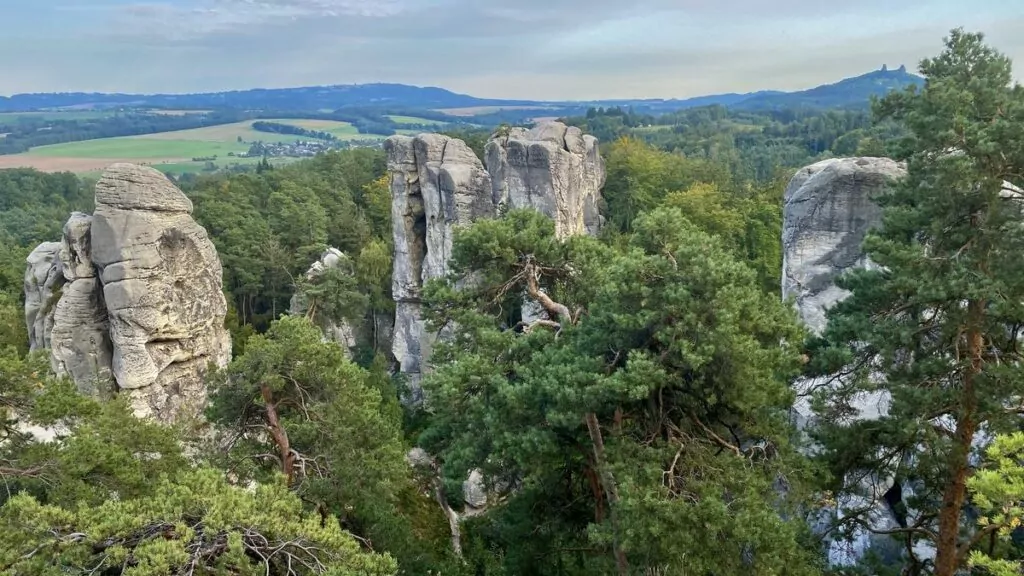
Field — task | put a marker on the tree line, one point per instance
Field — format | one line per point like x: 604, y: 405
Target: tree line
x: 278, y: 128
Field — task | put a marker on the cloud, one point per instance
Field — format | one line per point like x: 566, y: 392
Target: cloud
x: 564, y: 49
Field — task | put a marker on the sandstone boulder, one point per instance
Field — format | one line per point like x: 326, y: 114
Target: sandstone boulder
x: 162, y: 287
x: 474, y: 493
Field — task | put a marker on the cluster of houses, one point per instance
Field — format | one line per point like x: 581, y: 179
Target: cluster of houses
x: 298, y: 149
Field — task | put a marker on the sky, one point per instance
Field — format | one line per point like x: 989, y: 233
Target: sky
x: 522, y: 49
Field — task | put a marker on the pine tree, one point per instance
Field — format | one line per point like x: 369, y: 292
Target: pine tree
x: 936, y: 328
x: 639, y: 422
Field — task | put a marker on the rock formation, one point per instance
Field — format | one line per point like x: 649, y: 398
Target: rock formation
x: 43, y: 280
x: 437, y: 183
x: 554, y: 168
x: 828, y: 211
x: 80, y: 344
x: 144, y: 304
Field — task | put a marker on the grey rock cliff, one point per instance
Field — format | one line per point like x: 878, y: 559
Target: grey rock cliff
x: 827, y: 213
x: 553, y: 168
x: 828, y: 210
x: 43, y: 282
x: 437, y: 184
x: 143, y: 311
x: 80, y: 344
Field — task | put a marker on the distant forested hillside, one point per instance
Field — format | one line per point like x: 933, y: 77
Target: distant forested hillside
x: 753, y: 145
x: 308, y: 98
x: 849, y: 92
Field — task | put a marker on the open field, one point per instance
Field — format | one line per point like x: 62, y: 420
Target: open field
x: 172, y: 151
x: 414, y: 120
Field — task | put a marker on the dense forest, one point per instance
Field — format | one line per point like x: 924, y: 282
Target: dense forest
x: 644, y: 429
x: 278, y: 128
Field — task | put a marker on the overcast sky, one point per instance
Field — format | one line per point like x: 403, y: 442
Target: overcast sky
x: 539, y: 49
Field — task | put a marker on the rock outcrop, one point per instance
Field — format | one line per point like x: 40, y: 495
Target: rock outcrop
x: 437, y: 183
x: 43, y: 281
x: 80, y: 344
x: 554, y: 168
x: 143, y: 311
x: 828, y: 211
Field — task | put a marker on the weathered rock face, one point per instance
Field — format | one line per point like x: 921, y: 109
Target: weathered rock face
x: 162, y: 284
x: 828, y: 211
x: 554, y: 168
x: 143, y: 313
x: 80, y: 344
x: 437, y: 183
x: 43, y: 282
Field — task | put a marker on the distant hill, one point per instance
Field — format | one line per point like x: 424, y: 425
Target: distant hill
x: 851, y: 92
x: 312, y: 98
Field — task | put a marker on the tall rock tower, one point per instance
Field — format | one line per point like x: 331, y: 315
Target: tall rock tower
x: 139, y: 308
x: 438, y: 184
x: 828, y: 210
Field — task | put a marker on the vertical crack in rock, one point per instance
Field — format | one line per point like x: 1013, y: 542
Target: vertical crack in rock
x: 437, y: 183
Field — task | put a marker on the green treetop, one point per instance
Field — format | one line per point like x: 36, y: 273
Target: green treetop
x: 639, y: 422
